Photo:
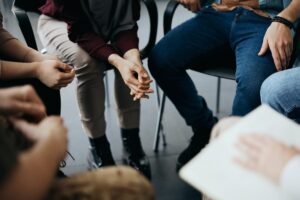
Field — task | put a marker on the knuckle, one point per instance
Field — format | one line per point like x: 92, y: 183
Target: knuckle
x: 28, y: 88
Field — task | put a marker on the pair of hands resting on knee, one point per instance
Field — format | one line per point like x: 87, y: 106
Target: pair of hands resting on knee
x: 133, y: 73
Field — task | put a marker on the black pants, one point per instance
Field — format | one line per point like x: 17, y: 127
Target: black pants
x: 50, y: 97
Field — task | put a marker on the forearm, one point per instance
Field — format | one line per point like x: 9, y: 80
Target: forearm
x: 127, y: 40
x: 292, y: 12
x: 23, y: 54
x: 290, y: 179
x: 34, y: 175
x: 134, y: 56
x: 15, y: 70
x: 116, y: 61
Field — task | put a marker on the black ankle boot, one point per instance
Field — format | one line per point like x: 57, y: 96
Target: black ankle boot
x: 198, y: 141
x: 100, y: 153
x: 134, y: 154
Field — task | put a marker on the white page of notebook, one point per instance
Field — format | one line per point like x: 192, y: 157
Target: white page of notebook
x: 214, y: 173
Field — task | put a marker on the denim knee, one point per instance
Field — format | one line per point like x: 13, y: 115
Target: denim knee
x: 271, y: 91
x: 156, y: 62
x: 250, y: 89
x: 161, y: 62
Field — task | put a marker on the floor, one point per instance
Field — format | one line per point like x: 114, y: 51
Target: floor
x: 167, y: 184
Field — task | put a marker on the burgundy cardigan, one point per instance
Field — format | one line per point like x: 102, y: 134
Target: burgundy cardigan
x: 82, y: 33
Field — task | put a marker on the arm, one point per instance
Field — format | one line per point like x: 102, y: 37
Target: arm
x: 192, y: 5
x: 258, y: 152
x: 17, y: 101
x: 128, y: 39
x: 33, y: 176
x: 8, y: 47
x: 278, y: 38
x: 52, y: 73
x: 93, y: 44
x: 292, y: 12
x: 290, y: 178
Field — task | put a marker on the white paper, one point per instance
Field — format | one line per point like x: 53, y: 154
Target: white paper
x: 214, y: 173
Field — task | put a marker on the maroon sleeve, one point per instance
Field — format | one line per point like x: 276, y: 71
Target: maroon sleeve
x: 95, y: 46
x: 128, y: 39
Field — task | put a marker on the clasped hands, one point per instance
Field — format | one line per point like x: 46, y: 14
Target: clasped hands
x: 133, y: 73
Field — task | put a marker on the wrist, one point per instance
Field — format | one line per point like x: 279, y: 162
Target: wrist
x: 132, y: 54
x: 283, y: 21
x: 33, y: 56
x: 115, y: 60
x: 36, y: 71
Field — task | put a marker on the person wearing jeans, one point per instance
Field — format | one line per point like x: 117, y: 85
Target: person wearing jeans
x: 227, y: 32
x: 281, y: 92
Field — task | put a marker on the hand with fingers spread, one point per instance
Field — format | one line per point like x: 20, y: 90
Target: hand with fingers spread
x: 278, y: 38
x: 54, y: 73
x: 21, y: 101
x: 134, y: 76
x: 50, y: 130
x: 192, y: 5
x: 264, y: 155
x: 134, y: 57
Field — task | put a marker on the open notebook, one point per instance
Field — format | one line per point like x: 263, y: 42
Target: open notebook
x: 214, y: 173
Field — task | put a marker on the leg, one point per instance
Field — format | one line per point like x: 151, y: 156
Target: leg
x: 198, y: 42
x: 189, y: 45
x: 281, y: 92
x: 90, y: 86
x: 109, y: 183
x: 129, y: 121
x: 252, y: 69
x: 127, y: 109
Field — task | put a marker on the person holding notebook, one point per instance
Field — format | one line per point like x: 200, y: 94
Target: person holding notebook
x: 276, y: 161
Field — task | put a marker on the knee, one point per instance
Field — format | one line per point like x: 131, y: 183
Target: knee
x: 155, y: 61
x: 84, y: 64
x: 159, y: 61
x: 249, y: 87
x: 272, y: 91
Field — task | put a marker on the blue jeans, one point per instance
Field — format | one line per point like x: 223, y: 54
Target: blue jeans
x: 282, y: 92
x: 213, y: 37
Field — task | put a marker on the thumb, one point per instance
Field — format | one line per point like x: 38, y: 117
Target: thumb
x: 26, y: 128
x: 264, y: 47
x: 63, y: 67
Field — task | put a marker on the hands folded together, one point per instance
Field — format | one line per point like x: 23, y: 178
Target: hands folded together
x: 54, y: 73
x: 133, y: 73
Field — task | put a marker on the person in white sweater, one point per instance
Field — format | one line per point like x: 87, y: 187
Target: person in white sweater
x: 272, y: 159
x: 276, y: 161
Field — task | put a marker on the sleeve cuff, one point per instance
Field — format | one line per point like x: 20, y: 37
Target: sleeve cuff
x: 290, y: 177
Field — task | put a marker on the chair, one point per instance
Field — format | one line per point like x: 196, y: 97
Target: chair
x: 21, y: 7
x: 219, y: 71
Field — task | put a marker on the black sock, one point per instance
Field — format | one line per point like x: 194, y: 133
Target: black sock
x: 102, y: 147
x: 99, y: 142
x: 126, y: 133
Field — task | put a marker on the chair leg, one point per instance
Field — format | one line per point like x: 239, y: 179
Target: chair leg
x: 106, y: 90
x: 157, y: 95
x: 159, y: 125
x: 218, y: 96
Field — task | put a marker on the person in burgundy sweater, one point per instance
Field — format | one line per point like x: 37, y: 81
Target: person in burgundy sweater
x: 93, y: 35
